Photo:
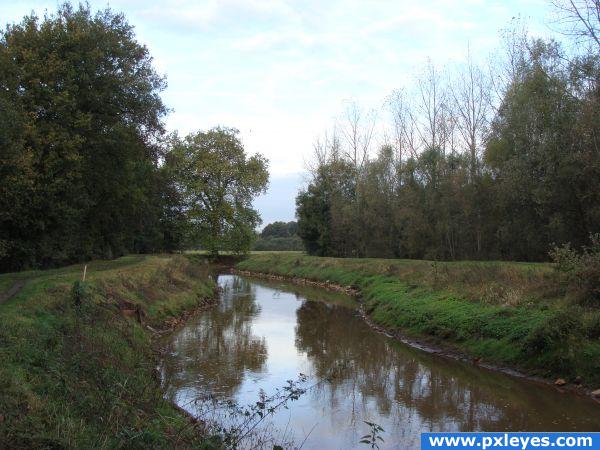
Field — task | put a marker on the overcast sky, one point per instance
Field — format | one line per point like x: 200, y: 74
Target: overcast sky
x: 280, y: 71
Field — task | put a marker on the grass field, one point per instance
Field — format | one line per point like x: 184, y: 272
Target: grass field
x: 511, y: 314
x: 83, y: 375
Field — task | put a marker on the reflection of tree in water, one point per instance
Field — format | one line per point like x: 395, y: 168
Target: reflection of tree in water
x: 220, y: 346
x: 367, y: 367
x: 405, y: 390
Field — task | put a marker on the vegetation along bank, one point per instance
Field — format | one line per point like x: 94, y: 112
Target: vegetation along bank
x: 78, y: 361
x: 519, y: 315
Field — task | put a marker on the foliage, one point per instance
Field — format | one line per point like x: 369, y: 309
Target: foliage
x: 293, y: 243
x: 279, y: 236
x: 245, y: 426
x: 374, y: 436
x: 280, y: 229
x: 324, y: 210
x: 467, y: 176
x: 581, y: 270
x: 85, y: 169
x: 218, y: 183
x: 80, y: 118
x: 556, y: 338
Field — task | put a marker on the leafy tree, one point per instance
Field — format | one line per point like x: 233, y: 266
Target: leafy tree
x: 218, y: 182
x: 464, y: 179
x: 81, y: 115
x: 536, y: 159
x: 280, y: 229
x: 326, y: 212
x: 293, y: 243
x: 279, y: 236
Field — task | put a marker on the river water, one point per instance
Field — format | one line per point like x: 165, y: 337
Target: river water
x: 264, y: 333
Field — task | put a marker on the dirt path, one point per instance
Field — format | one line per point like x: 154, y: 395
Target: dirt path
x: 14, y: 289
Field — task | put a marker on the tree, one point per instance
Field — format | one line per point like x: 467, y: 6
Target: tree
x: 470, y: 104
x: 483, y: 167
x: 81, y: 115
x: 538, y: 154
x: 278, y: 236
x: 218, y: 183
x: 280, y: 229
x: 431, y: 117
x: 582, y: 17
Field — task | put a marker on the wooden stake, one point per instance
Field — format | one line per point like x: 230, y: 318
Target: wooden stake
x: 84, y: 271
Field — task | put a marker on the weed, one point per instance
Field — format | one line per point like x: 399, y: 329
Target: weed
x: 374, y: 436
x: 245, y: 426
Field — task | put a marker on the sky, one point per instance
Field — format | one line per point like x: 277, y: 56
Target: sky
x: 281, y: 71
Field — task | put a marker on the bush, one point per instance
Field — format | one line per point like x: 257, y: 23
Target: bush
x: 580, y: 270
x: 553, y: 333
x: 555, y: 341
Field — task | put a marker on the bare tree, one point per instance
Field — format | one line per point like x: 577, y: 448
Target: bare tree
x: 405, y: 132
x: 357, y: 128
x: 582, y: 17
x: 506, y: 66
x: 470, y: 92
x: 429, y: 117
x: 326, y: 148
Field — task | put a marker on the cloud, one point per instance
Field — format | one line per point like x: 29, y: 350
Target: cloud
x: 276, y: 40
x: 222, y: 16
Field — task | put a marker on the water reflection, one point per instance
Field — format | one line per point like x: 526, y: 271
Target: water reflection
x: 219, y: 348
x: 264, y: 334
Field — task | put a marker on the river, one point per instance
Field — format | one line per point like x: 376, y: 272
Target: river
x: 262, y: 334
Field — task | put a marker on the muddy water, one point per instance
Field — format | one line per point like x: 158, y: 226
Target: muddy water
x: 265, y: 333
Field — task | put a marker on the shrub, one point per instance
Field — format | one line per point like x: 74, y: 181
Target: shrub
x: 580, y: 270
x: 556, y: 340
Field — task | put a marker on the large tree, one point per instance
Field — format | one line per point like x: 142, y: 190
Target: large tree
x: 79, y: 123
x: 218, y: 182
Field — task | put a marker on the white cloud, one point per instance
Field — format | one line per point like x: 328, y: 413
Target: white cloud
x: 214, y: 15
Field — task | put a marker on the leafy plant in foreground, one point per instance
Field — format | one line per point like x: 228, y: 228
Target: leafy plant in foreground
x: 246, y: 426
x: 581, y: 270
x: 374, y: 435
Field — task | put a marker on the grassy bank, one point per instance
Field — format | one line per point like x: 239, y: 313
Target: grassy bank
x: 512, y: 314
x: 78, y: 370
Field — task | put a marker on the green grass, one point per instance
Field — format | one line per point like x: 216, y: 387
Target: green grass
x: 84, y: 376
x: 511, y: 314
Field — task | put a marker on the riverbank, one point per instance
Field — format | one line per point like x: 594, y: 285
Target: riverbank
x: 78, y: 361
x: 513, y: 315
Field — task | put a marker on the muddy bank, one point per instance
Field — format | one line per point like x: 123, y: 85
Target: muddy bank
x: 348, y: 290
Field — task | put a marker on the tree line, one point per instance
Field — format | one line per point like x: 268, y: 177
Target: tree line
x: 87, y: 169
x: 279, y: 236
x: 496, y: 161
